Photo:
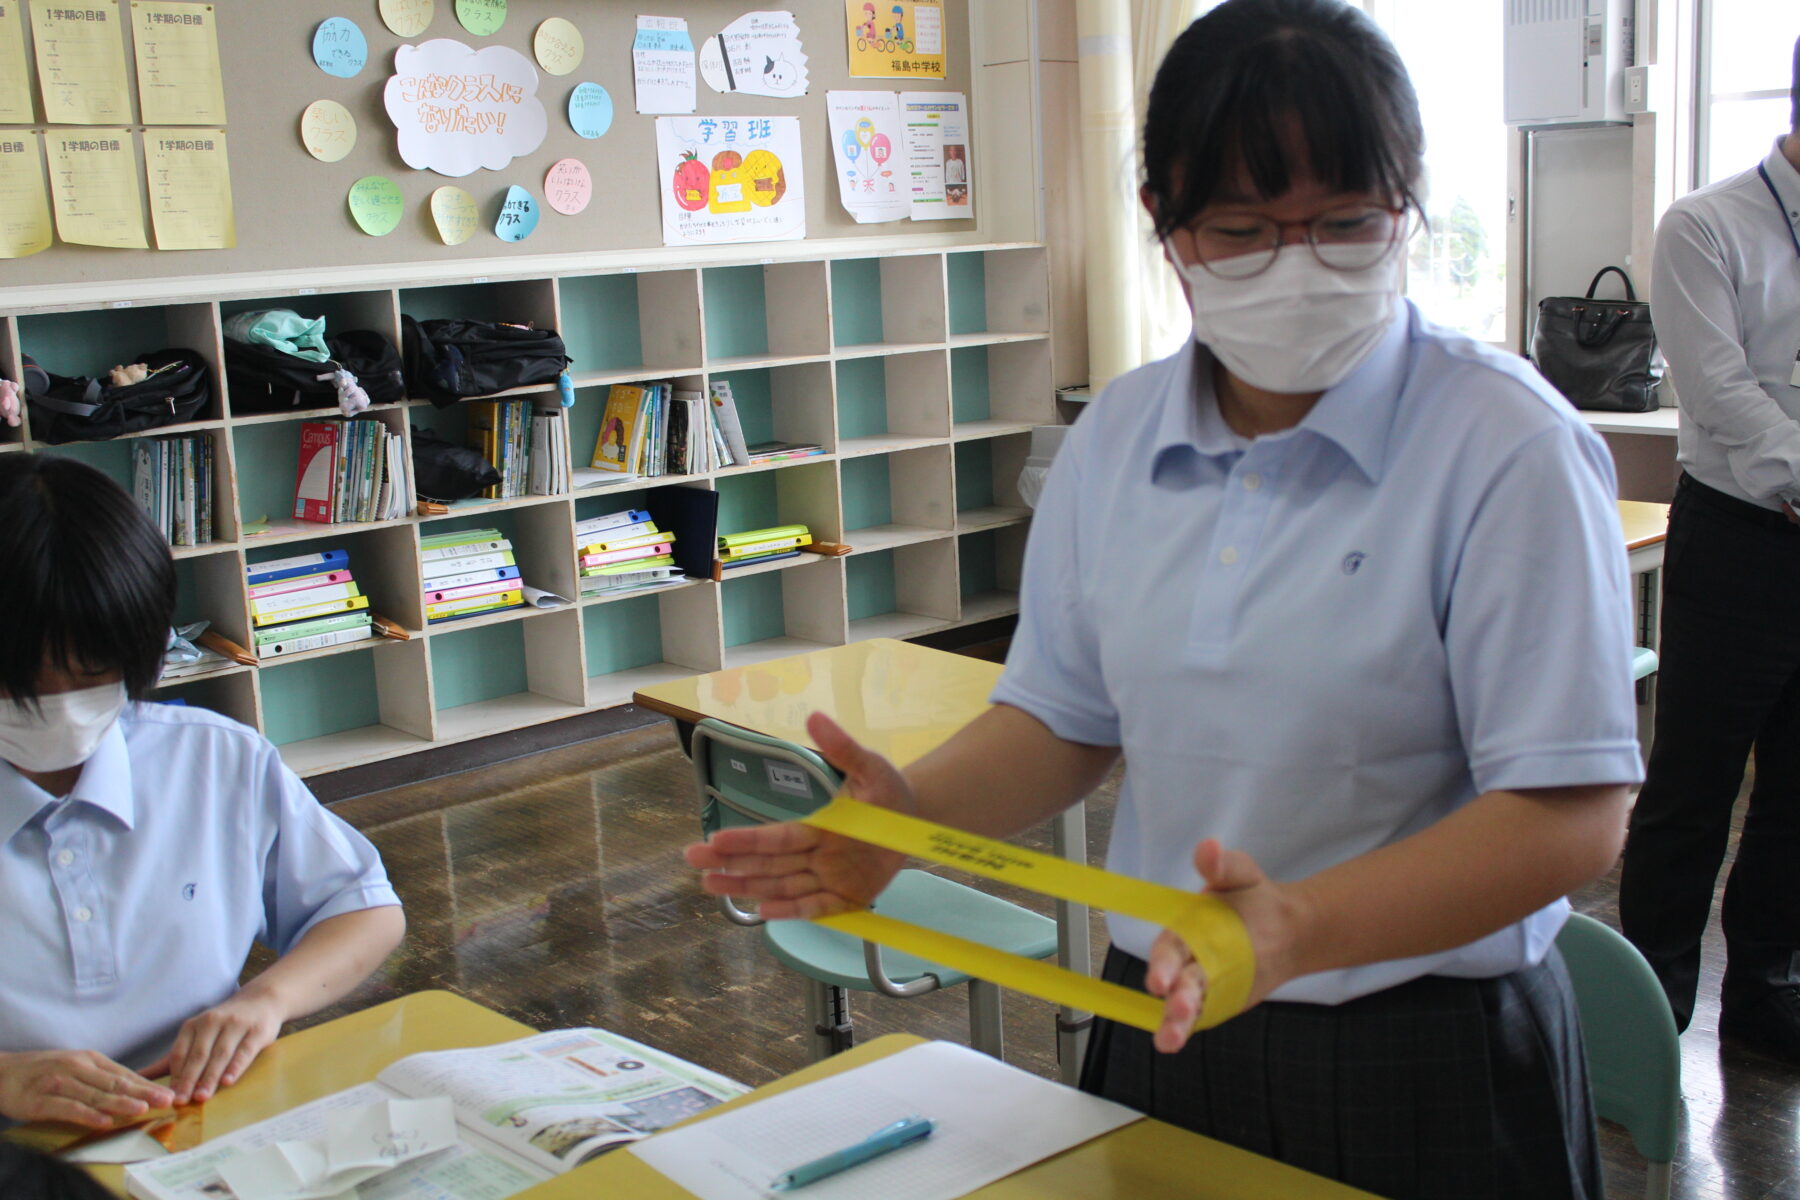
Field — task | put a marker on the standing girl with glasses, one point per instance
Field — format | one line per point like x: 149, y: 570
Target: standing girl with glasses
x: 1345, y: 590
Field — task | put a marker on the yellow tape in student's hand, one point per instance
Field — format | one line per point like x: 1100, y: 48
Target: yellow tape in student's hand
x: 1211, y: 928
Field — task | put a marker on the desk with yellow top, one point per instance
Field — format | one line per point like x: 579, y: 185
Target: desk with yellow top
x: 1143, y: 1161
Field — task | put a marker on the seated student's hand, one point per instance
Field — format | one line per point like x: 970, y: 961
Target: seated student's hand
x: 1269, y: 914
x: 796, y: 870
x: 213, y: 1049
x: 78, y: 1086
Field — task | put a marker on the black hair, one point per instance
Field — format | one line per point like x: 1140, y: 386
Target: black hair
x: 28, y: 1175
x: 86, y: 581
x: 1242, y: 80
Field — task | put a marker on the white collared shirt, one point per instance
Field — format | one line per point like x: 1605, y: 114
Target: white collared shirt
x: 1318, y: 642
x: 1725, y: 296
x: 130, y: 905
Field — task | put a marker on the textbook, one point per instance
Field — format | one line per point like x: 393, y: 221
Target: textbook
x: 621, y: 429
x: 351, y: 620
x: 526, y: 1112
x: 618, y: 520
x: 269, y: 606
x: 300, y: 564
x: 312, y: 610
x: 314, y: 641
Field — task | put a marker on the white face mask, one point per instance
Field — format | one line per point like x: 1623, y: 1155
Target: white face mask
x: 1297, y: 327
x: 64, y: 730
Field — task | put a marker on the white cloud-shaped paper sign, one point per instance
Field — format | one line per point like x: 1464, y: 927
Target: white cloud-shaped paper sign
x: 456, y: 108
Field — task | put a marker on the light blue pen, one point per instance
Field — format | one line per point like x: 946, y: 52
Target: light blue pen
x: 903, y: 1132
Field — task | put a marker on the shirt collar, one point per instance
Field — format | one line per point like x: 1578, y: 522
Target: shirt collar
x: 105, y: 783
x: 1781, y: 173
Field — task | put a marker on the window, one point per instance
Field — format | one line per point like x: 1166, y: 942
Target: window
x: 1745, y: 70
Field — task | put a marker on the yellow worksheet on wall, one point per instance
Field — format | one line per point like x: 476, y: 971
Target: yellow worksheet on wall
x: 177, y: 48
x: 15, y: 82
x: 81, y: 63
x: 190, y: 189
x: 24, y: 206
x: 94, y: 184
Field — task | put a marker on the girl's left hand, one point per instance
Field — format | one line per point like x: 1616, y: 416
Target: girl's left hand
x: 213, y: 1049
x: 1270, y: 911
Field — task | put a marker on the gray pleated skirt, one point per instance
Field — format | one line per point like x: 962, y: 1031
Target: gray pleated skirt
x: 1436, y: 1088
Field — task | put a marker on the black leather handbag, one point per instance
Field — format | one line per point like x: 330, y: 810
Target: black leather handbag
x: 1599, y: 353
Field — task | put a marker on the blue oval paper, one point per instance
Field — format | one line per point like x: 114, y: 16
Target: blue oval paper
x: 339, y: 47
x: 590, y: 110
x: 518, y: 215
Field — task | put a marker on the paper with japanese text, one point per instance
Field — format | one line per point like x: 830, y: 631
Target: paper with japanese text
x: 662, y: 64
x: 866, y: 136
x: 15, y: 79
x: 758, y: 54
x: 94, y: 186
x: 190, y: 189
x: 177, y: 49
x: 896, y: 39
x: 937, y: 155
x: 456, y: 109
x: 730, y: 179
x: 24, y: 205
x: 81, y: 63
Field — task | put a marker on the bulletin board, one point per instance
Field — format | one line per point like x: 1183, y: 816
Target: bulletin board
x: 291, y: 209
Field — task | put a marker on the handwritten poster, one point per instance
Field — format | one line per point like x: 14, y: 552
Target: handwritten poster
x: 177, y: 48
x: 339, y: 47
x: 24, y: 206
x: 758, y: 54
x: 558, y: 46
x: 937, y: 154
x: 453, y: 211
x: 327, y: 130
x: 15, y: 80
x: 730, y: 179
x: 81, y: 63
x: 190, y: 189
x: 408, y: 18
x: 376, y: 205
x: 567, y: 186
x: 662, y: 66
x: 590, y: 110
x: 481, y: 17
x: 519, y: 215
x: 457, y: 108
x: 94, y: 184
x: 866, y: 136
x: 896, y: 39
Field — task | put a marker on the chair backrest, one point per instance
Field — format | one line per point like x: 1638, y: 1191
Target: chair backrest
x: 1633, y: 1050
x: 749, y: 778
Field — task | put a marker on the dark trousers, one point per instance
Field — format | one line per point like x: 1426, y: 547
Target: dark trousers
x: 1729, y: 679
x: 1459, y: 1089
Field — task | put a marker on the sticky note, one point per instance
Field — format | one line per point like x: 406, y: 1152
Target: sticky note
x: 24, y: 204
x: 481, y: 17
x: 454, y: 212
x: 408, y: 18
x: 590, y: 110
x: 190, y: 189
x: 568, y: 187
x: 558, y: 46
x: 376, y: 205
x: 94, y: 185
x: 339, y: 47
x: 177, y: 48
x: 327, y: 130
x: 81, y: 63
x: 518, y: 215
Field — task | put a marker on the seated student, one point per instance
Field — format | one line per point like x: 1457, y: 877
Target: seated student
x: 28, y: 1175
x: 144, y: 847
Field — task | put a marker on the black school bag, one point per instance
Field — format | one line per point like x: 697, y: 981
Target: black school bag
x: 263, y: 379
x: 450, y: 360
x: 79, y: 409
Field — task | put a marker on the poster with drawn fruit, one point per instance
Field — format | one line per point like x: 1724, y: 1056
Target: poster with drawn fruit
x: 730, y: 179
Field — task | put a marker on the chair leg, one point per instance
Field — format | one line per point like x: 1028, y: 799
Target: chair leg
x: 828, y: 1019
x: 985, y: 1031
x: 1656, y: 1180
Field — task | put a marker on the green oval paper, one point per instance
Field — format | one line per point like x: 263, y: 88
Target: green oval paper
x: 481, y: 17
x: 376, y: 205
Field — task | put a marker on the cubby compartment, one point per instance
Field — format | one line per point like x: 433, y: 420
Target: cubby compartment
x: 90, y: 343
x: 903, y: 592
x: 790, y: 403
x: 803, y: 494
x: 343, y: 311
x: 265, y: 493
x: 987, y: 482
x: 513, y: 302
x: 1004, y: 388
x: 117, y: 459
x: 230, y: 692
x: 210, y: 588
x: 543, y: 548
x: 456, y: 423
x: 759, y: 313
x: 892, y: 499
x: 587, y: 419
x: 892, y: 403
x: 630, y: 325
x: 383, y: 561
x: 997, y: 295
x: 341, y: 710
x: 989, y: 564
x: 775, y: 614
x: 494, y: 677
x: 637, y: 641
x: 885, y: 305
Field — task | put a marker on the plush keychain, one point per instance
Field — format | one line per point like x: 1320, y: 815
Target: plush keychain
x: 128, y: 375
x: 9, y: 402
x: 351, y: 397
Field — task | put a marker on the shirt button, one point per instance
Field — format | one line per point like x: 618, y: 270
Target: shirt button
x: 84, y: 914
x: 65, y: 858
x: 1252, y: 481
x: 1228, y: 555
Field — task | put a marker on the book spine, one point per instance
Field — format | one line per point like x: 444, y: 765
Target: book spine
x: 355, y: 620
x: 748, y: 549
x: 299, y: 564
x: 593, y: 525
x: 468, y: 578
x: 763, y: 535
x: 316, y: 641
x: 473, y: 562
x: 440, y: 553
x: 318, y: 594
x: 634, y: 565
x: 462, y: 537
x: 315, y: 610
x: 498, y: 600
x: 626, y: 541
x: 493, y: 586
x: 653, y: 550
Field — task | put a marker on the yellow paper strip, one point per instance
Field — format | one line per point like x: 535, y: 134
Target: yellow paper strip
x: 24, y: 205
x: 81, y: 63
x: 94, y: 183
x: 177, y: 48
x: 190, y: 189
x: 15, y: 82
x: 1211, y: 929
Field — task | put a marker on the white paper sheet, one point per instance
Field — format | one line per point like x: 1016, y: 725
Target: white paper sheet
x: 456, y: 109
x: 992, y: 1120
x: 758, y: 54
x: 662, y: 64
x: 358, y: 1144
x: 866, y: 136
x: 937, y: 155
x: 730, y: 179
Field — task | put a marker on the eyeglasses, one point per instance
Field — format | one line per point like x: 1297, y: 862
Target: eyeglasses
x: 1345, y: 239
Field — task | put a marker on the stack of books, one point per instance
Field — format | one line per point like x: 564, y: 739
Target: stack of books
x: 305, y: 603
x: 762, y: 545
x: 530, y: 448
x: 549, y: 453
x: 624, y: 552
x: 467, y: 573
x: 172, y: 480
x: 768, y: 452
x: 351, y: 471
x: 655, y: 430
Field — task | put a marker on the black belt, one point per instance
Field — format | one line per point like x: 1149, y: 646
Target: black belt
x: 1730, y: 506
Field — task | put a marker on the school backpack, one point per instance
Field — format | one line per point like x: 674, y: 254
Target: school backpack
x: 263, y: 379
x: 79, y: 409
x: 450, y: 360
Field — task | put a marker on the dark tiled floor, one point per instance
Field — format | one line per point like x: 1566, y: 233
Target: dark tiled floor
x: 551, y: 890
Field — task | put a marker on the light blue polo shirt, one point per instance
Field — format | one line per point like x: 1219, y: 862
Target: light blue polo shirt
x: 130, y: 906
x: 1317, y: 642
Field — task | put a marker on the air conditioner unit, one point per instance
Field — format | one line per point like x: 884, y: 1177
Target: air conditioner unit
x: 1566, y: 60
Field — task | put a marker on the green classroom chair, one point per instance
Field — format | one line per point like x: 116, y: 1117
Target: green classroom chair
x: 748, y: 778
x: 1643, y: 663
x: 1633, y: 1051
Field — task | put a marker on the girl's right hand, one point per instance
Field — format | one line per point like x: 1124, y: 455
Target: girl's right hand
x: 795, y: 870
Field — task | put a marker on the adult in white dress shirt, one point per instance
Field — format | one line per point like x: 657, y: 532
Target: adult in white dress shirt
x: 1726, y: 300
x: 144, y: 847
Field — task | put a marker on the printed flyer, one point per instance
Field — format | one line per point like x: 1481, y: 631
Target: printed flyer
x: 937, y: 154
x: 895, y: 39
x: 866, y: 136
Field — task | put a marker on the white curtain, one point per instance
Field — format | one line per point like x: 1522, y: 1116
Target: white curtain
x: 1164, y: 325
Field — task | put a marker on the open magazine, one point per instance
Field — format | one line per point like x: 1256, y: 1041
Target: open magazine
x: 526, y: 1110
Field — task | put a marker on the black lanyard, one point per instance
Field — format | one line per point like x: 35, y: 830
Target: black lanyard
x: 1785, y: 222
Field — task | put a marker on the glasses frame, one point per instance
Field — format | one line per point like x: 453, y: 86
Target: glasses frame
x: 1405, y: 226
